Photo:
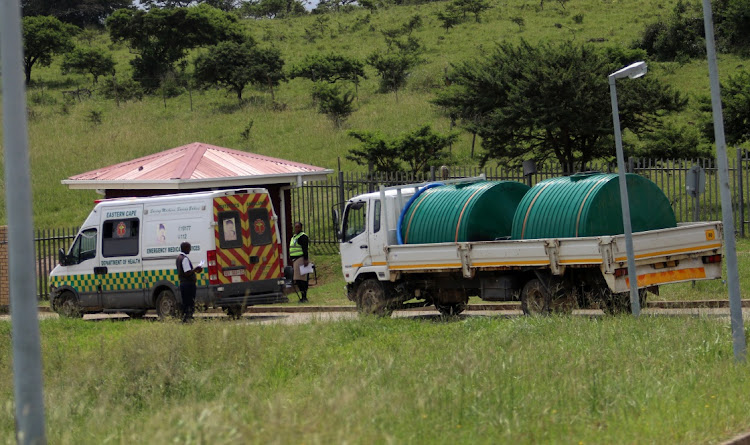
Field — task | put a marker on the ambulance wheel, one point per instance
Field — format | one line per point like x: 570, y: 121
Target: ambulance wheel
x: 235, y: 311
x: 166, y: 304
x: 69, y: 306
x: 371, y: 298
x: 535, y: 299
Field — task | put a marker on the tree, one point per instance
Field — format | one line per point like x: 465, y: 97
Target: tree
x: 451, y: 16
x: 94, y: 61
x: 424, y: 148
x: 476, y: 7
x: 420, y: 149
x: 732, y: 18
x: 680, y: 37
x: 162, y: 37
x: 77, y: 12
x: 671, y: 142
x: 543, y: 102
x: 272, y: 8
x: 376, y: 151
x: 330, y: 68
x: 735, y: 98
x: 333, y: 102
x: 43, y: 37
x: 233, y: 66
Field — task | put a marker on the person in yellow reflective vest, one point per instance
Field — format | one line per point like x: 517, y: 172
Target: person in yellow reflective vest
x: 299, y: 257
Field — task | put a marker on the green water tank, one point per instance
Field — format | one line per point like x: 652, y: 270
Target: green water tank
x: 478, y: 211
x: 588, y: 204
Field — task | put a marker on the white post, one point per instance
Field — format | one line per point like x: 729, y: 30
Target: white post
x: 27, y: 354
x: 635, y: 303
x: 733, y: 279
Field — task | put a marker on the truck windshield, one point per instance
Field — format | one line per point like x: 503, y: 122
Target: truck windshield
x: 354, y: 220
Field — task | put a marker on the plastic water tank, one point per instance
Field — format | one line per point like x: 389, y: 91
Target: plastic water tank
x: 479, y: 211
x: 588, y: 204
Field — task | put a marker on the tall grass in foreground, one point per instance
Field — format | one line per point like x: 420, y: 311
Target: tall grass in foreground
x: 477, y: 380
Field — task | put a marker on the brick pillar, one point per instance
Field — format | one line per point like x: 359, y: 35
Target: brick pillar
x: 4, y: 282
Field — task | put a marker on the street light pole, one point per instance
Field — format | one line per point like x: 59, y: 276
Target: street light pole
x: 633, y: 71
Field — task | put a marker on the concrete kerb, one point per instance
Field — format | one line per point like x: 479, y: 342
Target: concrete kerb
x: 509, y: 306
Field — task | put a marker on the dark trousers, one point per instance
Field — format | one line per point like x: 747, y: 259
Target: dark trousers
x: 187, y: 292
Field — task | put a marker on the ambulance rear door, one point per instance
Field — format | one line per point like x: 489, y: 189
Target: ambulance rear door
x: 247, y: 248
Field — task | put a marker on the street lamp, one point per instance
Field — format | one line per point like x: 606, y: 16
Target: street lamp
x: 633, y: 71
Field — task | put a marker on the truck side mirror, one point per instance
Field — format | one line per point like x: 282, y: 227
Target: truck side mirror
x: 336, y: 226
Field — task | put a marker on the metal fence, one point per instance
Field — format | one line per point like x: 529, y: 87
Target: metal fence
x: 46, y: 245
x: 313, y: 202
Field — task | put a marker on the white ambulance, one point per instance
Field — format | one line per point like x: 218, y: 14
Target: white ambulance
x: 124, y: 256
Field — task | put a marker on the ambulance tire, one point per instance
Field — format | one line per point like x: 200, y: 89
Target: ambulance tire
x: 166, y: 305
x: 235, y: 311
x: 69, y: 306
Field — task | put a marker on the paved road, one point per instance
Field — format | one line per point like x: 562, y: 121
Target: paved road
x: 305, y: 314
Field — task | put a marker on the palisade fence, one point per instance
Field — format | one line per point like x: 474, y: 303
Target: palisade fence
x: 312, y: 203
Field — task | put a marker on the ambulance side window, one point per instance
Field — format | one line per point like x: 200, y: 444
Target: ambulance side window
x: 120, y: 237
x: 84, y: 247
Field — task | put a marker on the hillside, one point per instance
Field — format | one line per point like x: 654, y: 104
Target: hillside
x: 67, y: 138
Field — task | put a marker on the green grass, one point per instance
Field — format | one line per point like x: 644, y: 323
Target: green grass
x: 476, y: 380
x: 64, y: 142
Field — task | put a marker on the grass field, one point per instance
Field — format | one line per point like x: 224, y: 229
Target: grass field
x: 420, y: 380
x: 68, y: 138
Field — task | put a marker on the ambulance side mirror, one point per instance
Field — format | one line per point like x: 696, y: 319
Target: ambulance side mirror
x: 62, y: 258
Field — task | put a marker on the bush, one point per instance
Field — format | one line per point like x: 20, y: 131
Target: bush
x: 121, y: 90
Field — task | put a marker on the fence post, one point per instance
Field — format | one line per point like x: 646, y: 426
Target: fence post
x: 742, y: 191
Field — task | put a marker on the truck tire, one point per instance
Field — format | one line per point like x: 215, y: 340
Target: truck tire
x: 535, y: 299
x: 69, y: 306
x: 371, y: 298
x: 451, y: 309
x: 617, y: 304
x: 166, y: 305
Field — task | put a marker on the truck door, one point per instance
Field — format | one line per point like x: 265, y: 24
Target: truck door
x: 120, y: 265
x: 355, y: 247
x: 247, y: 247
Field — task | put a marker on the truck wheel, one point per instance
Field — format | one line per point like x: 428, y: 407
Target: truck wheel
x: 69, y: 306
x: 235, y: 311
x: 166, y: 305
x: 450, y: 310
x: 616, y: 304
x: 371, y: 298
x: 137, y: 315
x: 535, y: 300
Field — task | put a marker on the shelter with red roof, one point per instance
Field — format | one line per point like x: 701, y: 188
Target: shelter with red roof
x: 200, y: 167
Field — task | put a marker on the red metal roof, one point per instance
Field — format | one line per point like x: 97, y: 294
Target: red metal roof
x: 196, y: 162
